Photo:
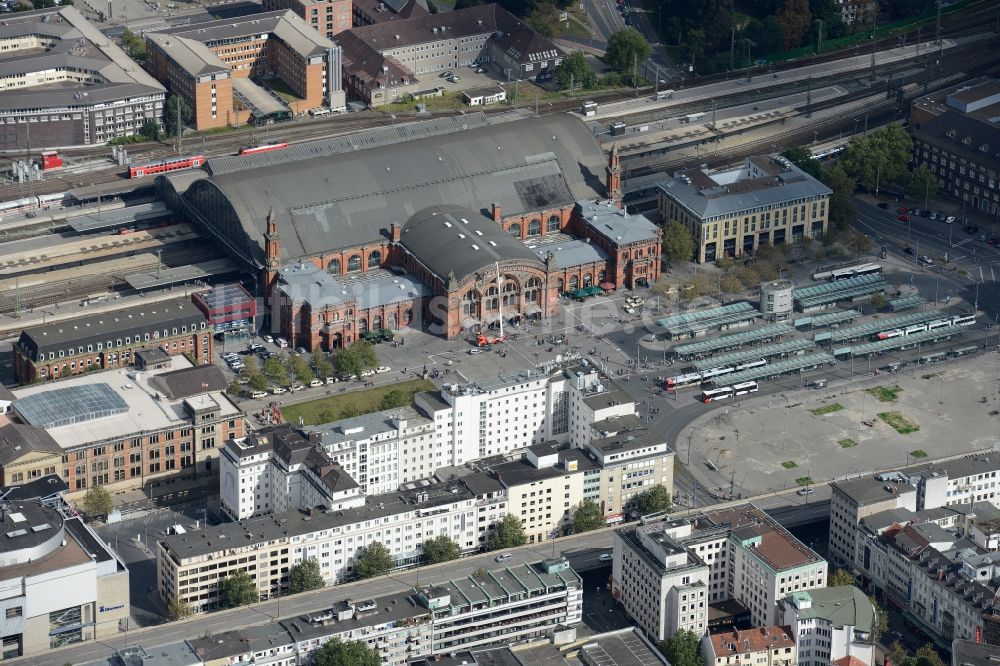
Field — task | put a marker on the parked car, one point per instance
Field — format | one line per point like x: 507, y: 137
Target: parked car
x: 934, y: 216
x: 258, y: 395
x: 983, y: 238
x: 884, y: 206
x: 904, y: 218
x: 331, y: 380
x: 294, y: 388
x: 606, y: 557
x: 281, y: 342
x: 925, y: 213
x: 908, y: 250
x: 949, y: 219
x: 445, y: 75
x: 268, y: 339
x: 804, y: 491
x: 382, y: 369
x: 902, y: 209
x: 454, y: 78
x: 504, y: 557
x: 475, y: 350
x: 316, y: 382
x: 277, y: 390
x: 300, y: 350
x: 925, y: 260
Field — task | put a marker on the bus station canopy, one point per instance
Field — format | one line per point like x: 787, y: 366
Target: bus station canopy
x: 856, y: 291
x: 712, y: 313
x: 827, y: 319
x: 906, y: 302
x: 775, y: 369
x: 734, y: 340
x: 769, y: 351
x: 892, y: 344
x: 834, y: 287
x: 871, y: 328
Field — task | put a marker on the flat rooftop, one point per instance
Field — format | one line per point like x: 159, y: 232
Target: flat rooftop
x: 144, y: 410
x: 869, y: 490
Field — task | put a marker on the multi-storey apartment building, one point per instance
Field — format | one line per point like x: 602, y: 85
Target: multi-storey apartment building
x: 110, y: 340
x: 64, y: 83
x: 220, y: 68
x: 830, y: 624
x: 59, y: 583
x: 279, y: 469
x: 190, y: 566
x: 767, y: 201
x: 955, y: 135
x: 122, y: 430
x: 662, y: 585
x: 327, y: 17
x: 855, y: 499
x: 747, y: 557
x: 488, y: 608
x: 761, y: 646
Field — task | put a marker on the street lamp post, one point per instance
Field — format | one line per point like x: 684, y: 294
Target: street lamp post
x: 749, y: 64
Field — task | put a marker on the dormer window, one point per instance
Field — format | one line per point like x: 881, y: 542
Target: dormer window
x: 984, y: 148
x: 967, y: 140
x: 950, y: 134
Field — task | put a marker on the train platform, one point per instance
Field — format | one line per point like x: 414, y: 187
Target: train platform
x: 762, y: 79
x: 194, y: 273
x: 99, y: 219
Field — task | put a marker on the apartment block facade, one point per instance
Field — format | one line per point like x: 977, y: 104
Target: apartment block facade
x: 830, y: 624
x: 746, y: 556
x: 190, y: 566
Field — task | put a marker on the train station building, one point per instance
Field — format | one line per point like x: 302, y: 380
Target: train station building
x: 464, y: 224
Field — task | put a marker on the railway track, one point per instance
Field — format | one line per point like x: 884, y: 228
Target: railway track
x: 879, y: 113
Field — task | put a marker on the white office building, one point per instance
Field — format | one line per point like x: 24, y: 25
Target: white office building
x: 830, y: 624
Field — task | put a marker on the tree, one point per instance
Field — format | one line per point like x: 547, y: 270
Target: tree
x: 730, y: 284
x: 509, y: 534
x: 339, y: 653
x: 859, y: 243
x: 545, y: 20
x: 574, y: 72
x: 839, y: 577
x: 321, y: 364
x: 927, y: 656
x: 627, y: 51
x: 356, y: 359
x: 134, y: 45
x: 683, y: 649
x: 98, y: 502
x: 305, y: 576
x: 881, y: 620
x: 654, y: 500
x: 151, y: 130
x: 678, y: 243
x: 879, y: 157
x: 300, y: 368
x: 795, y: 18
x: 896, y: 653
x: 842, y: 211
x: 588, y: 516
x: 395, y: 398
x: 276, y: 370
x: 373, y: 560
x: 464, y: 4
x: 237, y: 589
x: 923, y: 184
x: 177, y: 610
x: 173, y: 105
x: 441, y: 549
x: 803, y: 159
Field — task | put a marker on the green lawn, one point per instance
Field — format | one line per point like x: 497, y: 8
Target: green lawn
x: 789, y: 464
x: 918, y: 454
x: 827, y: 409
x: 363, y: 402
x: 804, y: 480
x: 900, y: 423
x: 847, y: 443
x: 884, y: 393
x: 577, y: 25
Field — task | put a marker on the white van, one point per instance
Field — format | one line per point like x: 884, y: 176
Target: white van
x: 319, y: 111
x: 281, y: 342
x: 258, y: 395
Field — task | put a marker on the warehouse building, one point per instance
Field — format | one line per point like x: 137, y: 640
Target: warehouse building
x: 417, y: 230
x: 111, y: 340
x: 63, y: 83
x: 222, y: 68
x: 767, y: 201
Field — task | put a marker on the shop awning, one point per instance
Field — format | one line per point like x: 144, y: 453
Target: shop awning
x: 470, y: 323
x: 532, y: 308
x: 491, y: 318
x: 608, y: 286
